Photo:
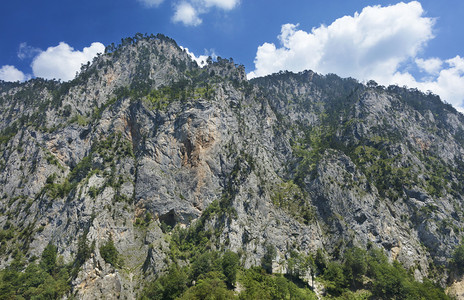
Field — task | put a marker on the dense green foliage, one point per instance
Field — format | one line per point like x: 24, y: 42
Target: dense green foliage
x: 269, y: 255
x: 260, y: 285
x: 371, y: 271
x: 212, y: 276
x: 230, y: 265
x: 169, y: 286
x: 109, y: 253
x: 49, y: 279
x: 209, y: 288
x: 457, y: 262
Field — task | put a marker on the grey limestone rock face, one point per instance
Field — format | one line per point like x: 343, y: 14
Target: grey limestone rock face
x: 143, y: 140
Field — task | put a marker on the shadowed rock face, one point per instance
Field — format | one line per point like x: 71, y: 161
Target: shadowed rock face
x: 143, y: 140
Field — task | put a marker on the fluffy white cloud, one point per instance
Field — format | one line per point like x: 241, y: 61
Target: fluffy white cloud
x: 202, y: 59
x: 151, y: 3
x: 430, y: 66
x: 26, y: 51
x: 223, y: 4
x: 62, y: 62
x: 10, y: 73
x: 374, y: 44
x: 448, y: 84
x: 374, y: 41
x: 187, y: 14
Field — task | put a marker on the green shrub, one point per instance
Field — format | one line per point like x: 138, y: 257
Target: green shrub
x: 260, y: 285
x: 168, y: 286
x: 211, y: 287
x: 355, y: 266
x: 83, y: 253
x: 47, y: 280
x: 48, y: 261
x: 298, y: 264
x: 202, y: 264
x: 109, y: 253
x: 457, y: 261
x: 230, y: 265
x: 335, y: 281
x: 81, y: 120
x: 269, y: 255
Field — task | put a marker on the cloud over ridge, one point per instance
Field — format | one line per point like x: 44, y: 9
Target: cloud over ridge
x: 377, y: 38
x: 62, y: 61
x: 10, y: 73
x: 374, y: 44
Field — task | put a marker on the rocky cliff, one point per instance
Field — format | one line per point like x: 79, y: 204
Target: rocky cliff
x: 144, y: 142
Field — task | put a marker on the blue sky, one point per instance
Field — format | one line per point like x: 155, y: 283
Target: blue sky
x: 415, y: 43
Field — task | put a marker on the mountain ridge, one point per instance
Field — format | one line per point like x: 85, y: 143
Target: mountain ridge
x: 144, y: 143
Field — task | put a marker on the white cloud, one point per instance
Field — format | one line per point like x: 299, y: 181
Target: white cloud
x: 449, y: 83
x: 374, y: 41
x: 430, y: 66
x: 186, y: 14
x: 151, y: 3
x: 10, y: 73
x: 62, y: 62
x: 223, y: 4
x: 26, y: 51
x: 202, y: 59
x: 374, y: 44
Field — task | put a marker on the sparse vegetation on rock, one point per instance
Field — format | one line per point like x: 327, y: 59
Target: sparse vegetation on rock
x: 150, y: 177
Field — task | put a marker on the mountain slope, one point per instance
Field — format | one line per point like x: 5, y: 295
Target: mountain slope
x: 146, y: 160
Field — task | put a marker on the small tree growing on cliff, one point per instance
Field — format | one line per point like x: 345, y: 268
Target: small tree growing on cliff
x: 48, y: 261
x: 109, y: 253
x: 457, y: 261
x: 230, y: 264
x: 269, y: 255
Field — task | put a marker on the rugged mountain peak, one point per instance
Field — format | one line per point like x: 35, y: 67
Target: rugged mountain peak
x: 147, y: 163
x: 148, y: 62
